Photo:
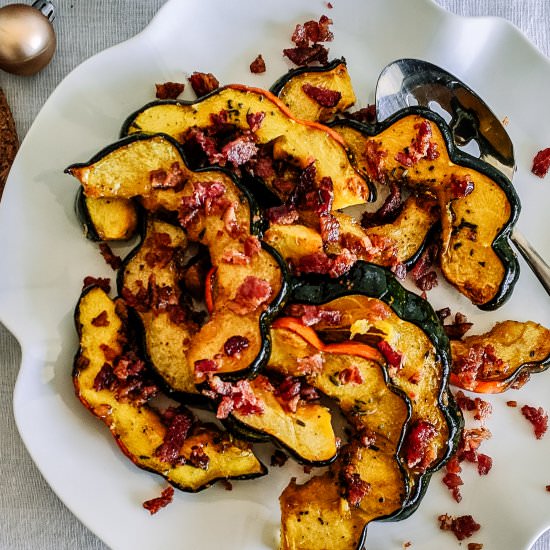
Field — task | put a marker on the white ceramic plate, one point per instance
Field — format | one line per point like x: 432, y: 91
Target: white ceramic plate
x: 45, y: 257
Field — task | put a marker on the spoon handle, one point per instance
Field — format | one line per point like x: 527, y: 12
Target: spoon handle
x: 539, y: 267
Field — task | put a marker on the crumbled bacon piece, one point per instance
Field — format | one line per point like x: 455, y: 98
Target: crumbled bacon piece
x: 482, y: 409
x: 102, y: 320
x: 392, y: 356
x: 205, y: 366
x: 541, y: 163
x: 254, y: 120
x: 238, y: 397
x: 418, y: 445
x: 421, y: 147
x: 109, y: 256
x: 475, y: 546
x: 313, y: 315
x: 203, y: 83
x: 155, y: 504
x: 205, y: 195
x: 388, y: 211
x: 512, y: 404
x: 169, y: 90
x: 457, y: 329
x: 173, y: 179
x: 463, y: 527
x: 355, y: 489
x: 320, y: 263
x: 350, y: 375
x: 235, y: 345
x: 374, y: 156
x: 453, y: 482
x: 251, y: 294
x: 258, y: 65
x: 538, y: 418
x: 178, y: 423
x: 240, y: 150
x: 484, y: 464
x: 307, y: 55
x: 480, y: 362
x: 282, y: 215
x: 309, y: 365
x: 548, y: 488
x: 160, y: 251
x: 104, y: 378
x: 461, y: 186
x: 109, y: 353
x: 313, y: 32
x: 101, y: 282
x: 329, y: 228
x: 366, y: 114
x: 420, y: 273
x: 198, y: 458
x: 322, y: 96
x: 291, y: 390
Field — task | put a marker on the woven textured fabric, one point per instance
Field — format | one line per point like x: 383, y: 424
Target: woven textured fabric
x: 32, y: 517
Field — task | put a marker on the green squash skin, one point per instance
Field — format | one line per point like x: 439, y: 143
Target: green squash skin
x: 501, y: 244
x: 376, y: 282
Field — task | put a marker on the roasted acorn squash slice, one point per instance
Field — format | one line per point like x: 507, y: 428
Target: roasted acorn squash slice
x: 299, y: 142
x: 478, y: 205
x: 248, y: 282
x: 333, y: 78
x: 503, y: 357
x: 138, y: 428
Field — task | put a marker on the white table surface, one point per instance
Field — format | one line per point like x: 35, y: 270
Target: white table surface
x: 31, y: 516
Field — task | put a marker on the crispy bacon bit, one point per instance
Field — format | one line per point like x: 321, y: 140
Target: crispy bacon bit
x: 203, y: 83
x: 482, y: 409
x: 366, y: 437
x: 322, y: 96
x: 205, y: 195
x: 461, y: 186
x: 254, y: 120
x: 521, y: 380
x: 463, y: 527
x: 240, y: 150
x: 282, y: 215
x: 388, y: 211
x: 313, y: 32
x: 457, y: 329
x: 235, y: 345
x: 330, y: 228
x: 548, y: 488
x: 291, y: 390
x: 258, y: 65
x: 109, y: 353
x: 512, y: 404
x: 407, y: 544
x: 538, y: 418
x: 309, y: 365
x: 102, y: 320
x: 420, y: 273
x: 392, y: 356
x: 312, y: 315
x: 484, y: 464
x: 307, y: 55
x: 418, y: 449
x: 251, y: 294
x: 227, y: 485
x: 541, y: 163
x: 237, y: 397
x: 374, y: 156
x: 321, y: 263
x: 104, y: 378
x: 355, y: 489
x: 155, y: 504
x: 204, y: 366
x: 160, y: 253
x: 169, y: 90
x: 252, y: 246
x: 366, y: 114
x: 420, y: 146
x: 173, y: 179
x: 350, y: 375
x: 109, y: 256
x: 453, y: 483
x: 480, y: 362
x: 475, y: 546
x: 198, y: 458
x: 178, y: 421
x: 278, y: 458
x: 101, y: 282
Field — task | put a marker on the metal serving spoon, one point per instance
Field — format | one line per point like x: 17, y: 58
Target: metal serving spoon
x: 407, y: 82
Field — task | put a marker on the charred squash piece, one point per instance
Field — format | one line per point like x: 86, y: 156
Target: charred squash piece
x: 292, y: 89
x: 149, y: 281
x: 264, y: 117
x: 503, y: 357
x: 375, y: 309
x: 248, y: 282
x: 106, y: 219
x: 305, y: 432
x: 138, y: 429
x: 478, y: 205
x: 398, y: 242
